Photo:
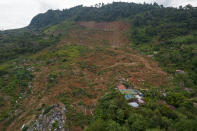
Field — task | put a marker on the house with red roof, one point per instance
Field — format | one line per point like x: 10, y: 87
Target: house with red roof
x: 121, y: 87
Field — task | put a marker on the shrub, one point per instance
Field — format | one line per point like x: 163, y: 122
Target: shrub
x: 98, y: 125
x: 47, y: 109
x: 175, y: 99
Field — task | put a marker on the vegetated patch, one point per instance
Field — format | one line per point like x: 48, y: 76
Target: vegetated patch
x: 65, y: 98
x: 16, y: 87
x: 65, y: 53
x: 47, y: 109
x: 60, y: 29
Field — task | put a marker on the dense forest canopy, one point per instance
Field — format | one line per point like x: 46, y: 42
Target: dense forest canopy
x: 111, y: 12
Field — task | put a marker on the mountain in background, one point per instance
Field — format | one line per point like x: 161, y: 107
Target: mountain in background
x: 77, y: 69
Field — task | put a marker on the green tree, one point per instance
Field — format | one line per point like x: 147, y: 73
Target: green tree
x: 175, y: 98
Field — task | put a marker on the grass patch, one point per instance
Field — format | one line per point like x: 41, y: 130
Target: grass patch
x: 65, y: 98
x: 62, y: 28
x: 66, y: 54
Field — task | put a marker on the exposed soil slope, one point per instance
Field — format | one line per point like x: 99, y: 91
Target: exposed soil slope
x: 92, y: 73
x: 113, y: 33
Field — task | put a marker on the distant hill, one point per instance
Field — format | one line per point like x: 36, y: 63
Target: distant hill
x: 109, y: 12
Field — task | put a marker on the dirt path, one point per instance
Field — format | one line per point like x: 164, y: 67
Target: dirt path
x: 121, y: 64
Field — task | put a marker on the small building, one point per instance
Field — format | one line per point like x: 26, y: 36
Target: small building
x: 121, y: 87
x: 131, y: 95
x: 140, y: 101
x: 128, y: 96
x: 134, y: 104
x: 128, y: 91
x: 138, y: 97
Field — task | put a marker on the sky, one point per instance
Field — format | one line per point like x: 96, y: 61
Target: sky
x: 18, y: 13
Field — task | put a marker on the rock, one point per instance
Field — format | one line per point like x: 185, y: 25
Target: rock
x: 52, y: 120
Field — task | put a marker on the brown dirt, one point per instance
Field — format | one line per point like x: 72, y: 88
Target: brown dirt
x: 102, y: 33
x: 112, y: 64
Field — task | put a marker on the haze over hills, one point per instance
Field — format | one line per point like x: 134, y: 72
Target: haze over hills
x: 120, y: 66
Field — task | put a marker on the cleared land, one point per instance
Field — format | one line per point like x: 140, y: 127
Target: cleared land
x: 91, y: 58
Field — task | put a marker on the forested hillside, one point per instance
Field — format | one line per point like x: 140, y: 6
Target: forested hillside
x: 110, y: 12
x: 15, y: 43
x: 171, y: 34
x: 63, y: 70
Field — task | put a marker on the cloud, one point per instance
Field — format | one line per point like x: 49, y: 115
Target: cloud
x: 176, y: 3
x: 16, y: 14
x: 164, y: 2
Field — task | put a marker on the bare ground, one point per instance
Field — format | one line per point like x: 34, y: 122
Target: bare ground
x: 112, y: 64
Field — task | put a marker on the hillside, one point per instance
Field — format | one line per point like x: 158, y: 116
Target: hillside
x: 68, y: 71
